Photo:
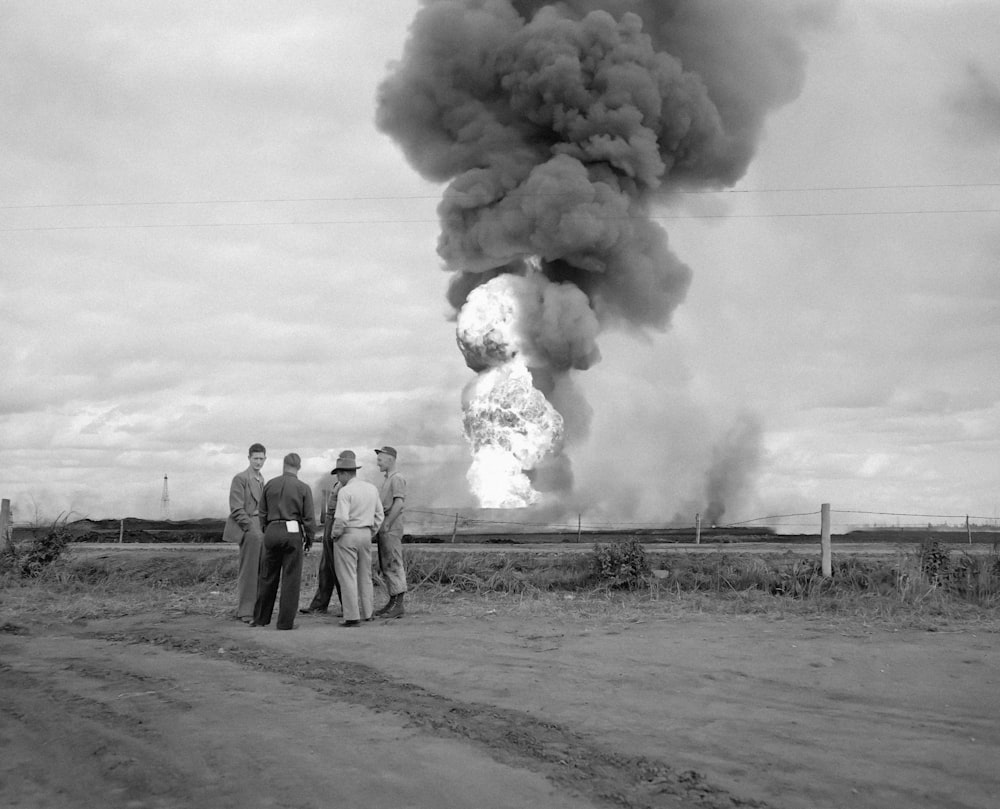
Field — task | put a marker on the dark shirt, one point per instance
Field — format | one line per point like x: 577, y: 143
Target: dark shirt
x: 287, y: 498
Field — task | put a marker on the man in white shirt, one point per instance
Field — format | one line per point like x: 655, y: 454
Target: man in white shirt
x: 357, y: 518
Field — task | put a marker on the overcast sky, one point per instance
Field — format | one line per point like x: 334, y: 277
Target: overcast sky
x: 207, y: 242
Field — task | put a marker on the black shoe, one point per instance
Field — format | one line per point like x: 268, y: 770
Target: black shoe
x: 254, y: 623
x: 388, y: 606
x: 395, y: 608
x: 350, y: 623
x: 310, y: 610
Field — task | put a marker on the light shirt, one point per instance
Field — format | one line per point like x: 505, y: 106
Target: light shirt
x: 358, y: 506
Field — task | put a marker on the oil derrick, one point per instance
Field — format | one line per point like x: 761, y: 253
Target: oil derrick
x: 165, y: 501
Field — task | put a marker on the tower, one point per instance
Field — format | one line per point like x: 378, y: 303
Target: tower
x: 165, y: 501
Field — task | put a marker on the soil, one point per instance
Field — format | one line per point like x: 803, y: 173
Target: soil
x: 494, y: 703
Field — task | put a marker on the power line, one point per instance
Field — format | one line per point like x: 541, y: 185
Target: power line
x: 405, y: 197
x: 317, y: 222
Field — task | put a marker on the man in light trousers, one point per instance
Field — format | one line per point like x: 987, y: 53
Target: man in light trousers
x: 357, y: 518
x: 390, y: 535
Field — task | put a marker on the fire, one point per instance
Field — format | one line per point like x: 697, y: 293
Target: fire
x: 511, y: 427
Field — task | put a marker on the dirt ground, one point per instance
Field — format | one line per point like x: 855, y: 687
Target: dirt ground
x: 494, y: 703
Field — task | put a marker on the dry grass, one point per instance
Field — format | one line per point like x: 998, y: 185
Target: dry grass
x: 894, y: 592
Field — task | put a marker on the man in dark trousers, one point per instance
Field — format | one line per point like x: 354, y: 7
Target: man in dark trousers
x: 326, y: 581
x: 286, y: 515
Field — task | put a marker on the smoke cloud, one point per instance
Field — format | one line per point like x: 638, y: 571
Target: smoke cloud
x: 557, y: 127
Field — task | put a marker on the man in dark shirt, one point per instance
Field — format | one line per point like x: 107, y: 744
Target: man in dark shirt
x: 288, y: 521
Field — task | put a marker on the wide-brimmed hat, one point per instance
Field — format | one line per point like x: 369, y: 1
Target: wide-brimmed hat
x: 387, y: 450
x: 346, y: 460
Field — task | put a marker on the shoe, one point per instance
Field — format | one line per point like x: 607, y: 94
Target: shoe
x: 396, y: 610
x: 254, y: 623
x: 246, y: 619
x: 311, y: 610
x: 350, y: 623
x: 386, y: 607
x: 286, y: 628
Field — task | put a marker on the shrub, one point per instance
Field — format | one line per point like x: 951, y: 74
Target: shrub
x: 41, y: 552
x: 621, y: 564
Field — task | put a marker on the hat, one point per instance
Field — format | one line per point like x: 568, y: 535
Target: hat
x: 346, y: 460
x: 387, y: 450
x: 292, y: 459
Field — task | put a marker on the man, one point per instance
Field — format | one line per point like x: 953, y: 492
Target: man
x: 356, y: 520
x: 286, y: 515
x: 327, y: 579
x: 392, y: 493
x: 243, y: 526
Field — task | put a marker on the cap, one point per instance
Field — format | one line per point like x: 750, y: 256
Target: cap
x: 387, y: 450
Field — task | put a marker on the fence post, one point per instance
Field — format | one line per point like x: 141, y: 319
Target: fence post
x: 697, y: 529
x: 825, y: 539
x: 121, y: 532
x: 578, y: 526
x: 454, y: 530
x: 4, y: 522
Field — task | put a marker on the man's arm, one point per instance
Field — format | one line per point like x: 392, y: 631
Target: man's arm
x: 238, y: 501
x: 392, y: 514
x: 379, y: 516
x: 341, y: 514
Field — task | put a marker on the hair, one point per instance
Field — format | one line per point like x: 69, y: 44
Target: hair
x: 257, y: 448
x: 293, y: 460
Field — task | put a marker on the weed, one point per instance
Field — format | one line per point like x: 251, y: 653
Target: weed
x: 621, y: 564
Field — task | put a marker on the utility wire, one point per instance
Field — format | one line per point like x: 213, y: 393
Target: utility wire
x: 391, y: 197
x: 316, y: 222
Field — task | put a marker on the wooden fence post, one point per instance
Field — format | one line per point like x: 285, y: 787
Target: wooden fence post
x: 4, y: 522
x: 825, y: 539
x: 454, y: 530
x: 578, y: 526
x: 697, y: 529
x: 968, y: 530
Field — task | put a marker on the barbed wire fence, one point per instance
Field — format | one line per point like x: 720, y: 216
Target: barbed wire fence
x: 456, y: 522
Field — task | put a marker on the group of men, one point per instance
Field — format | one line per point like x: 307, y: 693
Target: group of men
x: 275, y: 523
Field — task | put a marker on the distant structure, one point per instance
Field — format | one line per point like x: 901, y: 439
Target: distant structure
x: 165, y: 501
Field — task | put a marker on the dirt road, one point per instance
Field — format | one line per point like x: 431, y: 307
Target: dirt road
x: 490, y: 704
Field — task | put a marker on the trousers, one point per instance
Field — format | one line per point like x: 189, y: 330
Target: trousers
x: 326, y: 581
x: 352, y: 556
x: 281, y: 563
x: 249, y: 570
x: 390, y: 561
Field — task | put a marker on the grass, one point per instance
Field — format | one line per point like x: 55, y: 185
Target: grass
x: 928, y: 588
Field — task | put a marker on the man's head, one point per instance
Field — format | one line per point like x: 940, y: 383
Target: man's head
x: 347, y: 466
x: 386, y: 458
x: 292, y: 463
x: 257, y: 456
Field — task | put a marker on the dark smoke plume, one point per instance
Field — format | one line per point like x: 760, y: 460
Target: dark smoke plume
x: 557, y: 126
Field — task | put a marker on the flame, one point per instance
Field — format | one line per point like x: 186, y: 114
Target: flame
x: 512, y: 428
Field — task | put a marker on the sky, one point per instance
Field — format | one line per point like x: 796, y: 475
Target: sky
x: 206, y: 241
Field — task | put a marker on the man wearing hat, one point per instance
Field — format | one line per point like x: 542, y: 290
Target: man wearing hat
x: 286, y: 515
x: 392, y: 493
x: 357, y: 518
x: 326, y: 580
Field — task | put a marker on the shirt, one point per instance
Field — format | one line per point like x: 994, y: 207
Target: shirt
x: 287, y: 498
x: 358, y: 506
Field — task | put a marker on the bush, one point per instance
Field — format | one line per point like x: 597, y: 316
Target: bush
x: 622, y: 564
x: 39, y: 555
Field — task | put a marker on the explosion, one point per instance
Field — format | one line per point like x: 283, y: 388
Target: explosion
x: 558, y: 126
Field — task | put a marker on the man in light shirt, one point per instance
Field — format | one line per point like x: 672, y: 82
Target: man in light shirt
x: 357, y: 518
x: 390, y: 535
